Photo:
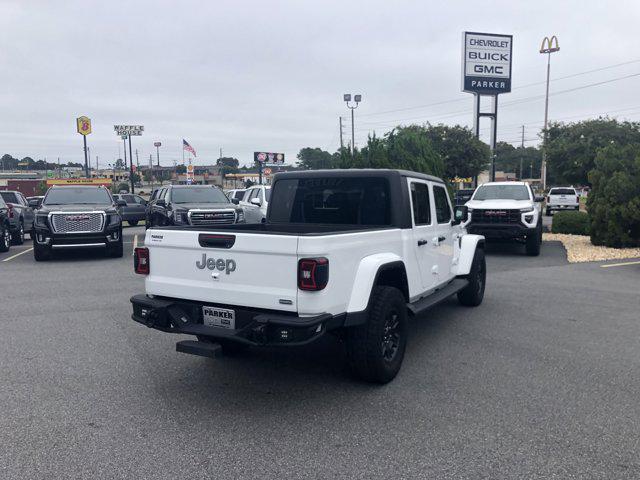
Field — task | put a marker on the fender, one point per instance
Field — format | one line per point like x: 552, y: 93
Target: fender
x: 365, y: 276
x: 467, y: 244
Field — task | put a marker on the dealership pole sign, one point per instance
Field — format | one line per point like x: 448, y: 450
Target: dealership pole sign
x: 126, y: 132
x: 268, y: 158
x: 486, y: 71
x: 486, y: 63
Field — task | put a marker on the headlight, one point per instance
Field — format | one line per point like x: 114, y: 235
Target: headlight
x: 527, y: 209
x: 114, y: 219
x: 240, y: 216
x: 180, y: 216
x: 41, y: 220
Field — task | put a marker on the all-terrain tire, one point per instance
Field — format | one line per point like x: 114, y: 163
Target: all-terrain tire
x: 472, y: 294
x: 17, y: 237
x: 41, y: 253
x: 376, y: 349
x: 116, y: 250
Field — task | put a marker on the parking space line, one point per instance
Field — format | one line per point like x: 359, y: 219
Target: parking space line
x: 17, y: 254
x: 620, y: 264
x: 135, y: 243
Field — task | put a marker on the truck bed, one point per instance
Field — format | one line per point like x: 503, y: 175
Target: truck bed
x: 297, y: 229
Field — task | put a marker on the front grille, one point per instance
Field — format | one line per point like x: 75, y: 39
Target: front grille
x: 77, y: 222
x: 212, y: 217
x: 496, y: 216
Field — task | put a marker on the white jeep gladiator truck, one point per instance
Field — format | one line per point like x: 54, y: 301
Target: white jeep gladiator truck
x: 353, y: 252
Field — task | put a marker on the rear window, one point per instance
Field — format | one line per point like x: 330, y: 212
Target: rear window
x: 9, y: 197
x: 562, y: 191
x: 332, y: 201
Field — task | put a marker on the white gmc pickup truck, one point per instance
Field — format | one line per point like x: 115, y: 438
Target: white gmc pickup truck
x: 353, y: 252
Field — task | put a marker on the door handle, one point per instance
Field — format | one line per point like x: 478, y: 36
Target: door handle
x: 441, y: 239
x: 422, y: 242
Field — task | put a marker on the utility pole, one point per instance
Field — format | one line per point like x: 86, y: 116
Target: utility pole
x: 341, y: 140
x: 549, y: 42
x: 97, y: 165
x: 522, y: 153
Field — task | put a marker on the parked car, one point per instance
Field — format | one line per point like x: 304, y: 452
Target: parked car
x: 462, y: 196
x: 562, y: 198
x: 238, y: 194
x: 355, y: 252
x: 20, y: 215
x: 135, y: 209
x: 255, y: 203
x: 5, y: 227
x: 78, y: 217
x: 507, y: 211
x: 192, y: 205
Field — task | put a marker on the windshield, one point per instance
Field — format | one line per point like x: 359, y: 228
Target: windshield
x: 502, y: 192
x: 333, y: 200
x: 198, y: 195
x: 76, y: 196
x: 9, y: 197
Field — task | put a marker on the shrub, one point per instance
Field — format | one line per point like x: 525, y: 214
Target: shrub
x: 574, y: 223
x: 614, y: 201
x: 122, y: 186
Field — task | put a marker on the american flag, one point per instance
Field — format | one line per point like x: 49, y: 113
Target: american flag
x: 187, y: 147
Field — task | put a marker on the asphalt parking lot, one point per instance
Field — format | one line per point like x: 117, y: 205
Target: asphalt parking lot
x: 541, y: 381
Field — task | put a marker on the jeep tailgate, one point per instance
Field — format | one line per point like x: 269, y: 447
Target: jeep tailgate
x: 257, y: 270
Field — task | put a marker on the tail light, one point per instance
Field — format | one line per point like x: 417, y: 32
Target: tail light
x: 313, y: 273
x: 10, y: 205
x: 141, y: 260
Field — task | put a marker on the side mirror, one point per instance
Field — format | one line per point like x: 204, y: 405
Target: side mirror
x: 121, y: 203
x: 539, y: 199
x: 161, y: 203
x: 256, y: 202
x: 460, y: 214
x: 34, y: 203
x: 235, y: 201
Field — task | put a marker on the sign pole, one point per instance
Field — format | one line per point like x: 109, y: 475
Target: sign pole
x: 494, y: 136
x: 131, y: 166
x: 86, y: 160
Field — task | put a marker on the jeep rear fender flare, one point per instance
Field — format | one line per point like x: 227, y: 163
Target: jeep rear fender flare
x: 366, y: 277
x: 468, y: 245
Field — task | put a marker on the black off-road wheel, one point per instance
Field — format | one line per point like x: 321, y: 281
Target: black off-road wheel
x: 534, y: 242
x: 41, y: 253
x: 472, y: 294
x: 17, y: 237
x: 5, y: 238
x: 376, y: 349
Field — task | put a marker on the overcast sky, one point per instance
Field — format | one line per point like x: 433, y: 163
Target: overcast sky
x: 269, y: 75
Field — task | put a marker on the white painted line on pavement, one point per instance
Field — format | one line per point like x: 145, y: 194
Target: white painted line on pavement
x: 615, y: 264
x: 135, y: 243
x: 17, y: 254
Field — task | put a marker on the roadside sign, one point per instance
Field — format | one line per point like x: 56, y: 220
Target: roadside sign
x: 79, y: 181
x: 486, y: 63
x: 84, y: 125
x: 267, y: 171
x: 270, y: 158
x: 132, y: 130
x: 189, y: 168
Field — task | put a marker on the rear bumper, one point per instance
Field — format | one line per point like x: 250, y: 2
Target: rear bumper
x: 253, y: 327
x: 505, y: 231
x: 552, y: 208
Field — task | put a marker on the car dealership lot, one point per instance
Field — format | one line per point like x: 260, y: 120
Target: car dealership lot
x: 541, y: 380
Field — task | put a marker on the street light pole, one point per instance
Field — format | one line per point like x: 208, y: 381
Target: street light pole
x: 547, y: 48
x: 357, y: 99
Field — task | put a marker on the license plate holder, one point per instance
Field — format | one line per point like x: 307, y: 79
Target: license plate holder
x: 219, y: 317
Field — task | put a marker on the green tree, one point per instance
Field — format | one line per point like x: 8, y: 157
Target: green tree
x: 572, y: 148
x: 315, y: 159
x: 508, y: 159
x: 228, y: 165
x: 463, y: 154
x: 614, y: 201
x: 181, y: 169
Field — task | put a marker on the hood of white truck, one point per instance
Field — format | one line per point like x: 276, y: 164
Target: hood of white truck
x: 498, y: 204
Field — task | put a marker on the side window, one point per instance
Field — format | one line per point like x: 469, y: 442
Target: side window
x: 441, y: 199
x: 261, y: 195
x: 253, y: 194
x: 23, y: 200
x: 420, y: 203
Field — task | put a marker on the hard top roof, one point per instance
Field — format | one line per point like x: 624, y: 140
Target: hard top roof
x: 357, y: 172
